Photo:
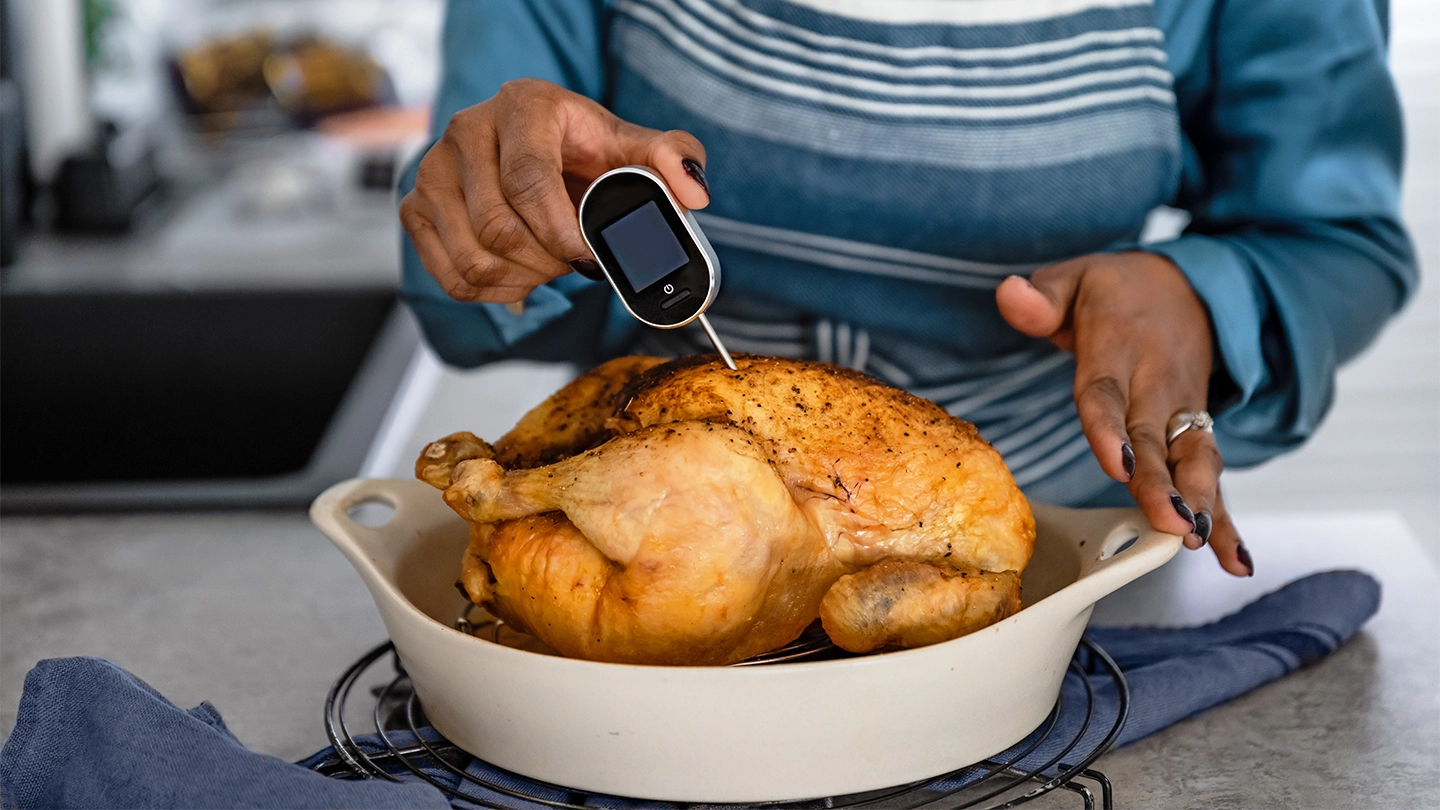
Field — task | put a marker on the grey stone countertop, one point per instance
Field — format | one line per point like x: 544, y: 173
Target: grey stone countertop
x: 258, y: 614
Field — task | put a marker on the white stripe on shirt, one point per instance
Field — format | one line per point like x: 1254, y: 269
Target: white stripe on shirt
x: 1029, y: 50
x: 721, y: 29
x: 959, y: 12
x: 731, y: 232
x: 699, y: 54
x: 955, y: 145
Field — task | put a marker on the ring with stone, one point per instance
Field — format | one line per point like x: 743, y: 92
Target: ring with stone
x: 1188, y: 420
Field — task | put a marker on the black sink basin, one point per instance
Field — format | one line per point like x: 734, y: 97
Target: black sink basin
x: 175, y: 399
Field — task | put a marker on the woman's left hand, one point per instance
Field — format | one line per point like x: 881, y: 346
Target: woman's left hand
x: 1142, y: 345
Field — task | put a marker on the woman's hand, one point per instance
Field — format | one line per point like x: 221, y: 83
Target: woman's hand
x: 1142, y: 346
x: 492, y: 214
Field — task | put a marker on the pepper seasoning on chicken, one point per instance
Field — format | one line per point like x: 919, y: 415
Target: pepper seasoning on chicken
x: 685, y: 513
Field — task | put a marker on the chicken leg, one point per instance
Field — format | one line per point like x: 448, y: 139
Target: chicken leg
x: 908, y: 604
x: 679, y: 544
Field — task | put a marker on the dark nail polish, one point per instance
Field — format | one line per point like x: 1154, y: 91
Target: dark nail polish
x: 696, y: 172
x: 1202, y: 526
x: 1182, y: 510
x: 587, y: 268
x: 1127, y: 457
x: 1244, y: 555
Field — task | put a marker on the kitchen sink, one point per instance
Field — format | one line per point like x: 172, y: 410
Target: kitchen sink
x: 192, y: 399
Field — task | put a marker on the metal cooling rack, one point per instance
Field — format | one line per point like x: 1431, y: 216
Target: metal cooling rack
x: 993, y: 783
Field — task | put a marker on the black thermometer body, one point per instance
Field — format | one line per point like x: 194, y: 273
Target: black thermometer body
x: 651, y: 251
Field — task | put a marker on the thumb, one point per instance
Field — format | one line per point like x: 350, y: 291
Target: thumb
x: 677, y: 155
x: 1040, y: 306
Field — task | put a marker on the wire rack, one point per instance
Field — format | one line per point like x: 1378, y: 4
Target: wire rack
x: 994, y: 783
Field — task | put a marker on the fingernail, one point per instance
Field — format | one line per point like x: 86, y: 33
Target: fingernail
x: 1202, y: 526
x: 1182, y: 510
x: 696, y: 172
x: 1127, y: 457
x: 515, y: 308
x: 587, y: 268
x: 1244, y: 555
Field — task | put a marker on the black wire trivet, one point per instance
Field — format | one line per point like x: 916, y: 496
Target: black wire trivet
x: 1000, y: 782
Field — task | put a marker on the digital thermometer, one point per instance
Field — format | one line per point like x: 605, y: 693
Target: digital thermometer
x: 652, y: 252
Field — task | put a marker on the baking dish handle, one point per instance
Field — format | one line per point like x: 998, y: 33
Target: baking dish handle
x: 1129, y: 548
x: 413, y: 502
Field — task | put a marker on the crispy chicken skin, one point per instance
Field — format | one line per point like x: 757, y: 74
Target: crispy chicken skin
x: 685, y: 513
x: 573, y: 419
x: 906, y: 604
x: 682, y: 546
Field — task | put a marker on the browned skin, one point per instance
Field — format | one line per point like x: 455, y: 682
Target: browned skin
x: 884, y: 474
x: 714, y: 509
x: 681, y: 546
x: 437, y: 461
x: 905, y: 604
x: 572, y: 420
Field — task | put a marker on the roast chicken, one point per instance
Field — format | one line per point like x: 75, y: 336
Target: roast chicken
x: 684, y: 513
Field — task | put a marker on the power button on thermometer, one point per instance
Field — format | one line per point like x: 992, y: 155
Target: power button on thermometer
x: 652, y: 252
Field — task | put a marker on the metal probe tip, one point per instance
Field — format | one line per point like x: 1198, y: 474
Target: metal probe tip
x: 715, y: 340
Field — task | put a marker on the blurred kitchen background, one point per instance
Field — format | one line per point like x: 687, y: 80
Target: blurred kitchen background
x: 200, y: 258
x: 200, y: 244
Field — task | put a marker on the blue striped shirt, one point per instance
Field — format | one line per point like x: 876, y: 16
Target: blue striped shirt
x: 878, y: 166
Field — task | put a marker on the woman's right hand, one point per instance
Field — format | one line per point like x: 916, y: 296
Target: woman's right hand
x: 492, y: 214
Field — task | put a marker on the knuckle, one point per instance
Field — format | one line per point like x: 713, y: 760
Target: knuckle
x: 464, y: 123
x: 686, y: 143
x: 524, y: 86
x: 1105, y: 388
x: 477, y: 267
x: 1210, y: 454
x: 1146, y: 434
x: 467, y: 129
x: 430, y: 171
x: 455, y: 287
x: 1199, y: 448
x: 526, y: 98
x: 500, y: 230
x: 1051, y: 272
x: 523, y: 178
x: 1103, y: 397
x: 1151, y: 489
x: 413, y: 210
x: 410, y: 217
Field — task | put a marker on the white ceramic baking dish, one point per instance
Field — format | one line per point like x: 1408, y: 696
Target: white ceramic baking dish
x: 723, y: 734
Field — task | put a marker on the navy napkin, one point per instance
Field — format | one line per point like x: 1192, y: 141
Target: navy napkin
x: 89, y: 734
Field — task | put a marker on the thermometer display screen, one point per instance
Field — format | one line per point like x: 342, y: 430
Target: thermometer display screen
x: 644, y: 246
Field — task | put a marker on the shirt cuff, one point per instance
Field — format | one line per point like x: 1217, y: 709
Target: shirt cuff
x: 1235, y: 300
x: 543, y: 305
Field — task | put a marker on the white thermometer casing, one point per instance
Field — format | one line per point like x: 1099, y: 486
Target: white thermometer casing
x: 624, y: 235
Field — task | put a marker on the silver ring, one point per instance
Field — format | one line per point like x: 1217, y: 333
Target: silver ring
x: 1188, y: 420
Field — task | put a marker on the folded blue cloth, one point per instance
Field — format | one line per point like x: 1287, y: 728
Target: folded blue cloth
x: 89, y: 734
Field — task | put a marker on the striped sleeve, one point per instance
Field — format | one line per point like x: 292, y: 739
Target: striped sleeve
x: 485, y: 44
x: 1292, y: 159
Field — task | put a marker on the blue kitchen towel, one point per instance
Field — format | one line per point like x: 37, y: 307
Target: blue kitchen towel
x: 90, y: 734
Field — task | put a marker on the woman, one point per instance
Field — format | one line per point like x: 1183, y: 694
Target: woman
x: 949, y: 194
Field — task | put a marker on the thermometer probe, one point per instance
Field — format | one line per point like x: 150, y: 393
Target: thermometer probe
x: 651, y: 251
